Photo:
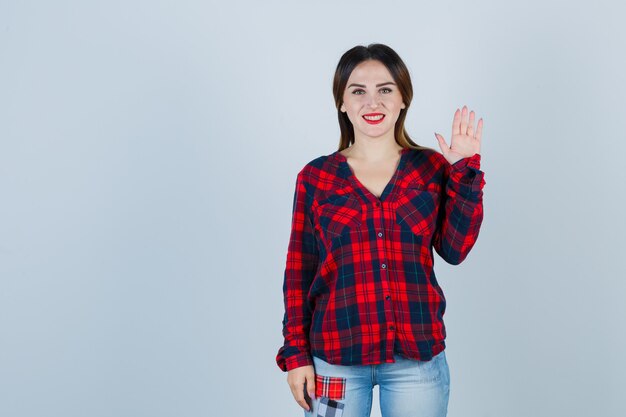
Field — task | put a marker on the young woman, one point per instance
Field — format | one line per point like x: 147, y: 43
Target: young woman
x: 362, y: 303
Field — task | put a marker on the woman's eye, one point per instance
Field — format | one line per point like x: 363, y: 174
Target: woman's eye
x: 386, y: 89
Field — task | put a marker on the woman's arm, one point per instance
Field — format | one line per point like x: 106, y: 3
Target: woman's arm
x: 461, y: 215
x: 301, y: 267
x: 462, y: 212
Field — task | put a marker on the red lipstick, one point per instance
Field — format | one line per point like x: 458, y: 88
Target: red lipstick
x: 374, y: 118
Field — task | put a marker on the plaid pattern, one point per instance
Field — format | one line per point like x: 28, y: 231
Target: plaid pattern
x: 330, y: 408
x: 359, y: 282
x: 332, y: 387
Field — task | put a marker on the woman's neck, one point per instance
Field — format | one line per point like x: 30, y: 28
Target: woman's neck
x: 372, y: 149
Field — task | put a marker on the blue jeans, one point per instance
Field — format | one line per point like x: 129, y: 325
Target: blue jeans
x: 407, y: 387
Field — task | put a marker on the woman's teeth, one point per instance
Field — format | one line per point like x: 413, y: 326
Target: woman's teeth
x: 374, y: 120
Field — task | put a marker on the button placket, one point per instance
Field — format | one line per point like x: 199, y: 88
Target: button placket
x: 383, y: 264
x: 389, y: 314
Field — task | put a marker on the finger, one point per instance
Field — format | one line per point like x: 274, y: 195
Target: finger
x: 302, y: 403
x: 298, y: 394
x: 456, y: 123
x: 470, y: 126
x: 442, y: 144
x: 310, y: 384
x: 479, y: 129
x: 464, y: 120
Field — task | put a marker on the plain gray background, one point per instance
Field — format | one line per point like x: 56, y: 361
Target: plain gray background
x: 148, y: 158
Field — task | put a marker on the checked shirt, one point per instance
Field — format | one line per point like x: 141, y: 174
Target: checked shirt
x: 359, y: 282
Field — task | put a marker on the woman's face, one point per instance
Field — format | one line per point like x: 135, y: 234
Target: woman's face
x: 371, y: 92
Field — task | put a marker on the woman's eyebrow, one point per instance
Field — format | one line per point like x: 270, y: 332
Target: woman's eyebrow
x: 377, y: 85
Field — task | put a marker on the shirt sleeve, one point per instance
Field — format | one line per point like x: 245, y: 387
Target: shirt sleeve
x: 462, y: 212
x: 301, y: 267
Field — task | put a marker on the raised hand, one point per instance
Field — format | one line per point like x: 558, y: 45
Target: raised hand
x: 463, y: 141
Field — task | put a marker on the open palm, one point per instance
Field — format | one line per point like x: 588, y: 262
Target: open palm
x: 464, y: 142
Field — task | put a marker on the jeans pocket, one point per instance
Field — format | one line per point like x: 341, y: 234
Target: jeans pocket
x: 443, y: 364
x: 430, y: 371
x: 332, y: 387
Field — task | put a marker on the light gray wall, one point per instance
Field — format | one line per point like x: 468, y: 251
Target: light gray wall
x: 148, y: 154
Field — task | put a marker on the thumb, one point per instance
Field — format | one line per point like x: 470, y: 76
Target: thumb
x: 442, y: 143
x: 310, y: 384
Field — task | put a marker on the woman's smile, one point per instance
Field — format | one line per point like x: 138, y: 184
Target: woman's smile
x: 373, y: 118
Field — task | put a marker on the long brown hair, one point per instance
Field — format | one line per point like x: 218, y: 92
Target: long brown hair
x: 400, y: 73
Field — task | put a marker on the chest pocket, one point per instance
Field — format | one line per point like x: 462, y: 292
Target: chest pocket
x: 339, y: 215
x: 417, y: 208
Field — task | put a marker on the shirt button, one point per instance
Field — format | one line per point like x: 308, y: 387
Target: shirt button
x: 388, y: 297
x: 384, y: 266
x: 392, y: 327
x: 378, y: 204
x: 380, y: 234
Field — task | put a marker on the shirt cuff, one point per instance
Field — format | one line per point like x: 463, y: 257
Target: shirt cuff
x: 466, y: 175
x: 294, y: 361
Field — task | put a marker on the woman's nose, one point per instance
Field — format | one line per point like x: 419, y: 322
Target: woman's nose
x: 373, y: 101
